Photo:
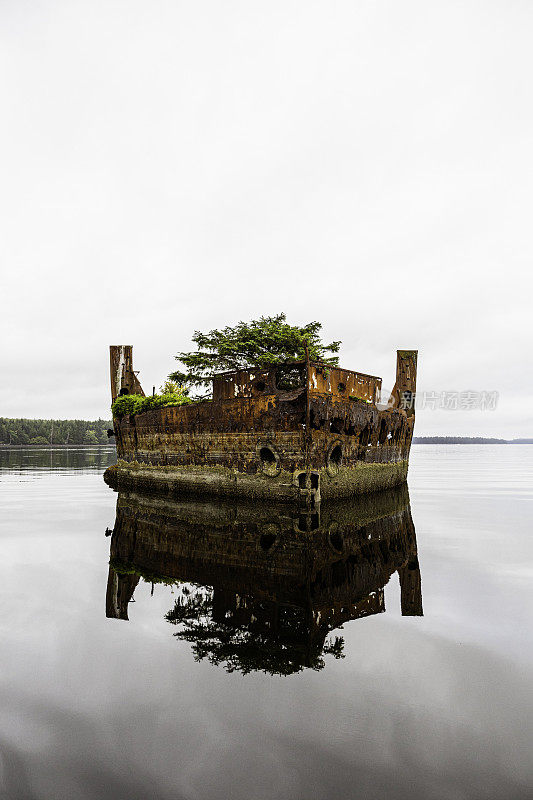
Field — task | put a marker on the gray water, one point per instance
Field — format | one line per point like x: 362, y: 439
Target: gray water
x: 437, y: 706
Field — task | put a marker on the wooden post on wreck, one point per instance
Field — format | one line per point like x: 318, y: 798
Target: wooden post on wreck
x: 121, y: 371
x: 403, y: 394
x: 307, y: 409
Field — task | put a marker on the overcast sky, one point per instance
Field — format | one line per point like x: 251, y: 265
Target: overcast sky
x: 172, y: 166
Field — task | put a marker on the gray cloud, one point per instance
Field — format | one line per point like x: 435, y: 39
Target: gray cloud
x: 185, y: 166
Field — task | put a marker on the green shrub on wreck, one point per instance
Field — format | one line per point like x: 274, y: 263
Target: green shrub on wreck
x: 135, y: 403
x: 127, y: 404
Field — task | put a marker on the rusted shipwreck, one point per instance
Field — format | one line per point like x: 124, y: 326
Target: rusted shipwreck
x: 302, y: 431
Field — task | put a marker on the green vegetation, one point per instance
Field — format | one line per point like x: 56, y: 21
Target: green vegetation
x: 135, y: 403
x: 123, y: 568
x: 53, y: 431
x: 263, y: 342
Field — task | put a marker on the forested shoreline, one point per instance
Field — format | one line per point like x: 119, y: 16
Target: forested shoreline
x: 61, y: 432
x: 77, y: 432
x: 466, y: 440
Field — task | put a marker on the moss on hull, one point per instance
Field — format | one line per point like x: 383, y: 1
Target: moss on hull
x: 225, y: 482
x: 361, y: 479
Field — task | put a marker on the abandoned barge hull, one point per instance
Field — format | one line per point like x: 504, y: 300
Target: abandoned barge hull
x: 296, y: 432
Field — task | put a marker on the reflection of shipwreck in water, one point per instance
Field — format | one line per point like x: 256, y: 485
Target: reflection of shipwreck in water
x: 264, y: 588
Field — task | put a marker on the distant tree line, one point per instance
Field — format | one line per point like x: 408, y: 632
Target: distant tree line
x: 456, y: 440
x: 54, y: 431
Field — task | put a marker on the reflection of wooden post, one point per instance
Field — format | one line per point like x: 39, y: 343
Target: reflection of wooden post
x: 411, y: 589
x: 119, y: 593
x: 403, y: 394
x: 121, y: 370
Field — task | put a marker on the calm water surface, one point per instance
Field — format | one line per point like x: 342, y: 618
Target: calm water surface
x: 205, y: 651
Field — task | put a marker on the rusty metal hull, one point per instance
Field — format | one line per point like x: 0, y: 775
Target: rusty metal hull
x: 260, y: 448
x: 254, y: 440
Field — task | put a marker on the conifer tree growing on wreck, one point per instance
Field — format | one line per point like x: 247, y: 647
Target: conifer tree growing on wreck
x: 263, y: 342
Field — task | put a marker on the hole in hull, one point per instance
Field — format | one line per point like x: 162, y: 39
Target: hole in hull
x: 269, y: 460
x: 335, y: 456
x: 267, y: 540
x: 267, y: 456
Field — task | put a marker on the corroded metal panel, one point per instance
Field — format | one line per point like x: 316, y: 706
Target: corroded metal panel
x: 321, y: 379
x: 343, y: 383
x: 244, y: 383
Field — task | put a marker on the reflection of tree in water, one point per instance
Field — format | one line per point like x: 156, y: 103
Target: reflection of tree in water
x: 245, y: 634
